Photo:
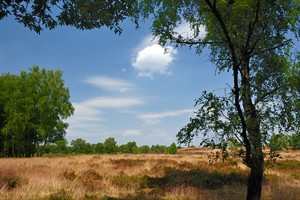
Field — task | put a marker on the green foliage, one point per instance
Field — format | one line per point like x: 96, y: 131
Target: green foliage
x: 144, y: 149
x: 172, y: 149
x: 158, y: 148
x: 110, y: 145
x: 81, y: 146
x: 278, y: 142
x: 34, y: 108
x: 294, y: 141
x: 83, y: 14
x: 130, y: 147
x: 98, y: 148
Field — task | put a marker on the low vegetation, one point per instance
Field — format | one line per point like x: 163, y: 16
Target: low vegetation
x: 186, y: 175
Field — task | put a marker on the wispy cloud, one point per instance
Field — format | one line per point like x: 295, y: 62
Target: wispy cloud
x: 132, y: 132
x: 110, y: 84
x: 154, y: 118
x: 89, y: 115
x: 112, y: 102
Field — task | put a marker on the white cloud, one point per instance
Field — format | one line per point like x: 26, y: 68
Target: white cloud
x: 110, y: 102
x: 187, y: 32
x: 154, y: 118
x: 132, y: 132
x: 110, y: 84
x: 152, y: 58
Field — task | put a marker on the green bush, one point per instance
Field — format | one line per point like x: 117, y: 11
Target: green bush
x: 172, y: 149
x: 278, y: 142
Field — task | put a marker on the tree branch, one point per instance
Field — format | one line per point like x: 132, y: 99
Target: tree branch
x: 259, y: 99
x: 273, y: 48
x: 190, y: 42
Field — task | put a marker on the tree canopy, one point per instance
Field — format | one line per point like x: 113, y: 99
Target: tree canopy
x: 34, y: 106
x: 82, y: 14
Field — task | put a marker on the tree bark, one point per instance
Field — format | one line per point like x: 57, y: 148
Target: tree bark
x: 255, y: 160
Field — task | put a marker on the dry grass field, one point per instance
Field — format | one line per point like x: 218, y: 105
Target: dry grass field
x: 186, y: 175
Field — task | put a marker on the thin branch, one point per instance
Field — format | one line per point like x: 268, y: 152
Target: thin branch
x: 273, y: 48
x: 252, y: 25
x: 190, y: 42
x: 259, y: 99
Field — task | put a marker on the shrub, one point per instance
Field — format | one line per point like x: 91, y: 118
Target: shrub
x: 69, y: 175
x: 91, y: 180
x: 9, y: 179
x: 172, y: 149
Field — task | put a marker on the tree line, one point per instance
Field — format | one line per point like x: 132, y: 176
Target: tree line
x: 109, y: 146
x: 33, y: 107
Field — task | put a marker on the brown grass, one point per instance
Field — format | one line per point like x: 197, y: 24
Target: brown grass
x: 183, y: 176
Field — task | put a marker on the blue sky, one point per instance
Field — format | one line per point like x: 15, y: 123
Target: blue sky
x: 126, y: 86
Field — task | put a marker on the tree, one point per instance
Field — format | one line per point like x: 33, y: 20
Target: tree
x: 159, y: 148
x: 278, y: 142
x: 294, y: 141
x: 144, y: 149
x: 82, y: 14
x: 79, y: 146
x: 51, y: 103
x: 34, y: 106
x: 172, y: 149
x: 98, y: 148
x: 252, y: 40
x: 127, y: 148
x: 110, y: 145
x: 61, y: 146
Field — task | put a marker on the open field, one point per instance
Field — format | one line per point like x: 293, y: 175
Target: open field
x: 186, y: 175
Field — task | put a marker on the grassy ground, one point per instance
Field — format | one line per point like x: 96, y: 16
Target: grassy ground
x: 182, y: 176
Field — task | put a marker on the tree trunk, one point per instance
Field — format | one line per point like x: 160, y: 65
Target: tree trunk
x: 254, y: 149
x: 255, y: 181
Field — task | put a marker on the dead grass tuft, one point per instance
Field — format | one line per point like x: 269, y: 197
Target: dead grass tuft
x: 10, y: 179
x: 91, y: 180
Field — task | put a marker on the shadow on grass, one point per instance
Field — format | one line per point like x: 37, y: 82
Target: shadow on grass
x: 195, y: 178
x: 155, y: 187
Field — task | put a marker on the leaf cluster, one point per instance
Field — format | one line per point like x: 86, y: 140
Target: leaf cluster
x: 82, y: 14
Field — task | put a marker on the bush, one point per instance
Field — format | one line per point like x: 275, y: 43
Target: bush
x: 278, y: 142
x: 172, y: 149
x: 295, y: 141
x: 9, y: 179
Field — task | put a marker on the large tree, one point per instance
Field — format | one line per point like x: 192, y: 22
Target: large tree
x: 34, y: 107
x: 254, y: 41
